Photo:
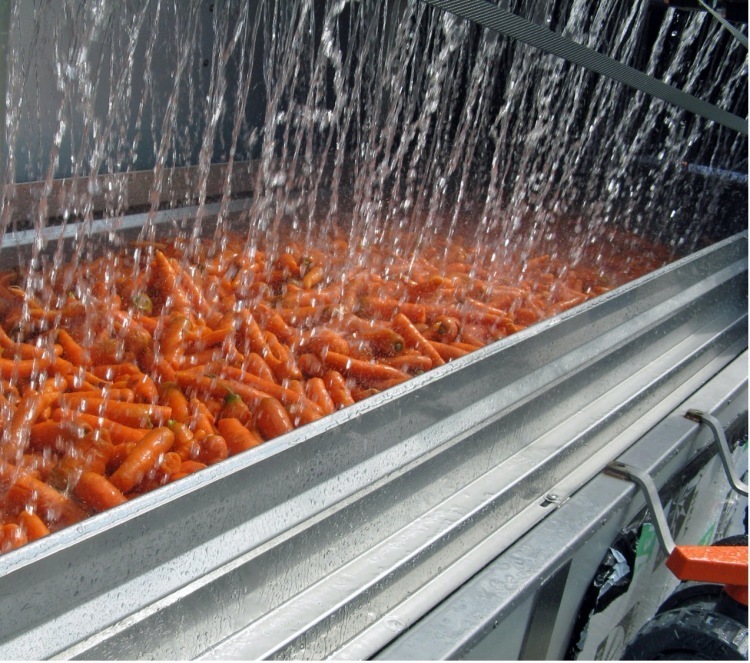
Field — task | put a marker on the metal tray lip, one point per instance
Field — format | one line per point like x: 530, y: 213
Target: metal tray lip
x: 101, y: 522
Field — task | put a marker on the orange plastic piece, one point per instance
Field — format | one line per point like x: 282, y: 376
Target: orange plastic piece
x: 726, y: 565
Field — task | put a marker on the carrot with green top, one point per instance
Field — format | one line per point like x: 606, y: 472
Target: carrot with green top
x: 234, y: 407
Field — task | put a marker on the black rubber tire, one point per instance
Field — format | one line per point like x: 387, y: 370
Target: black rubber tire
x: 689, y: 634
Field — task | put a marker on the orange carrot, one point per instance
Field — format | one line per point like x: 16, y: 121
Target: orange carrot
x: 311, y: 365
x: 185, y: 444
x: 33, y: 525
x: 414, y: 339
x: 97, y: 492
x: 361, y: 370
x: 409, y: 363
x: 72, y: 349
x: 316, y: 391
x: 12, y: 536
x: 22, y: 368
x: 142, y: 458
x: 448, y: 352
x: 213, y: 449
x: 171, y: 463
x: 338, y: 390
x: 271, y: 419
x: 172, y: 397
x: 234, y: 407
x: 117, y: 432
x: 256, y: 365
x: 135, y: 415
x: 238, y: 437
x: 52, y: 506
x: 32, y: 405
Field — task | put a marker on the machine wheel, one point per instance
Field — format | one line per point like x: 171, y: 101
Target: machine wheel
x: 689, y: 634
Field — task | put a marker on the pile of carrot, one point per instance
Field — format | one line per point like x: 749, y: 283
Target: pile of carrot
x: 136, y: 369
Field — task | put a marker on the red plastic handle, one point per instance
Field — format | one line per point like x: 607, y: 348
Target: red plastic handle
x: 726, y: 565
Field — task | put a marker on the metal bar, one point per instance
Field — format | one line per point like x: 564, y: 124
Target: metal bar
x: 722, y: 447
x: 511, y: 25
x: 647, y: 485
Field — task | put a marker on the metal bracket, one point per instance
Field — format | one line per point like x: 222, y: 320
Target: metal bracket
x: 722, y: 446
x: 644, y: 481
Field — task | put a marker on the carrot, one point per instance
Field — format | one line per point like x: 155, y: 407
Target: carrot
x: 52, y: 506
x: 22, y: 368
x: 259, y: 387
x: 256, y: 365
x: 313, y: 277
x: 444, y: 329
x: 409, y: 363
x: 238, y: 437
x: 386, y: 308
x: 172, y: 339
x: 311, y: 365
x: 135, y: 415
x: 185, y: 444
x: 90, y: 454
x: 164, y: 283
x: 33, y: 525
x: 338, y: 390
x: 117, y: 432
x: 190, y: 466
x: 51, y: 434
x: 142, y: 458
x: 12, y: 536
x: 271, y: 419
x: 279, y: 360
x: 213, y: 449
x: 361, y: 370
x: 235, y: 408
x: 32, y: 405
x: 316, y: 391
x: 72, y: 349
x: 321, y: 340
x: 97, y: 492
x: 171, y: 463
x: 172, y: 397
x: 414, y: 338
x: 252, y: 334
x: 448, y: 352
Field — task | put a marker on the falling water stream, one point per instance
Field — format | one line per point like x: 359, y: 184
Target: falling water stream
x: 371, y: 124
